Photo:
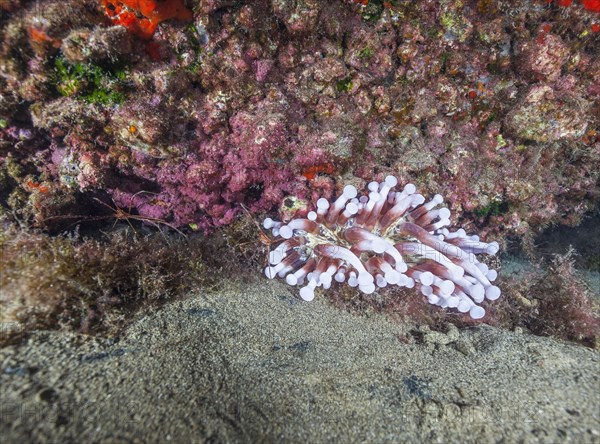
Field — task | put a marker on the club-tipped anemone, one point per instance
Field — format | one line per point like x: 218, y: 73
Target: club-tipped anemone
x: 384, y: 237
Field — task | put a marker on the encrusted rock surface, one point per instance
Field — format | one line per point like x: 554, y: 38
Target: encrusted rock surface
x: 493, y: 104
x: 540, y: 116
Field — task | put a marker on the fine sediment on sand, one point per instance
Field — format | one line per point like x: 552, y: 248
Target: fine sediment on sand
x: 252, y: 363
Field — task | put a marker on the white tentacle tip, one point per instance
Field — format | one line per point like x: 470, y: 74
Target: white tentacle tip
x: 365, y: 279
x: 276, y: 256
x: 350, y: 192
x: 322, y: 203
x: 391, y: 181
x: 392, y: 277
x: 477, y: 312
x: 492, y: 293
x: 367, y: 288
x: 444, y: 214
x: 291, y: 279
x: 307, y: 293
x: 286, y: 232
x: 409, y: 189
x: 492, y: 248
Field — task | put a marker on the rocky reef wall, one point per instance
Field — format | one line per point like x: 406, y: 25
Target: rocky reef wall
x: 270, y: 103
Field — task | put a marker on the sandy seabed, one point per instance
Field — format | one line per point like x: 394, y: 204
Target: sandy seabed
x: 252, y: 363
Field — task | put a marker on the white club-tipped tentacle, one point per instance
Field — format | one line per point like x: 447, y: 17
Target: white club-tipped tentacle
x: 492, y: 293
x: 350, y: 210
x: 476, y: 247
x: 375, y: 245
x: 408, y: 190
x: 445, y: 286
x: 391, y: 197
x: 384, y: 189
x: 308, y: 293
x: 477, y: 312
x: 373, y: 186
x: 464, y: 304
x: 437, y: 199
x: 326, y: 277
x: 426, y: 290
x: 426, y: 252
x: 482, y: 267
x: 352, y: 279
x: 349, y: 192
x: 424, y: 278
x: 322, y: 207
x: 286, y: 232
x: 433, y: 299
x: 269, y: 223
x: 337, y: 252
x: 367, y: 288
x: 340, y: 275
x: 281, y: 251
x: 297, y: 277
x: 452, y: 301
x: 437, y: 225
x: 374, y: 197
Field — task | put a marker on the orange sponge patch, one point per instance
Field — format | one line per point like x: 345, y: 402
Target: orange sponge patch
x: 141, y: 17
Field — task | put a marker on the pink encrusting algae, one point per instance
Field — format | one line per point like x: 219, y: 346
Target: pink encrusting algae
x: 384, y: 237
